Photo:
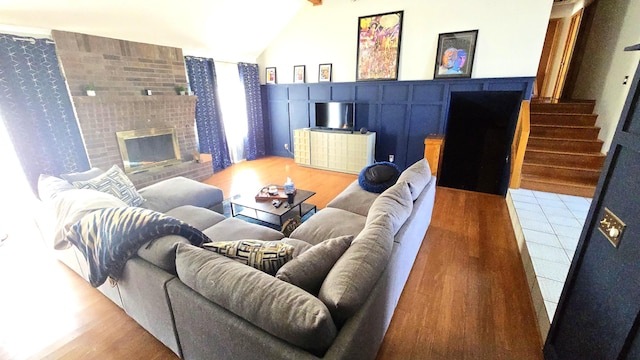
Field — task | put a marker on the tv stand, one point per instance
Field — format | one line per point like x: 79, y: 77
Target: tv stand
x: 341, y: 151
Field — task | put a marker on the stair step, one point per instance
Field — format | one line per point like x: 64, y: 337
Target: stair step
x: 562, y: 173
x: 563, y: 119
x: 592, y: 161
x: 566, y: 145
x: 582, y: 107
x: 539, y: 183
x: 565, y: 132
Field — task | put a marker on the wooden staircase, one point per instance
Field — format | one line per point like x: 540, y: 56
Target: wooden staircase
x: 563, y: 153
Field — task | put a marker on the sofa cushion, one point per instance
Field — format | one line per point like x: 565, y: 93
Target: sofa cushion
x: 299, y: 246
x: 377, y: 177
x: 417, y: 176
x: 267, y: 256
x: 329, y: 223
x: 235, y: 229
x: 199, y: 218
x: 178, y: 191
x: 351, y: 279
x: 83, y: 175
x: 275, y: 306
x: 395, y: 204
x: 114, y: 182
x: 308, y: 270
x: 354, y: 199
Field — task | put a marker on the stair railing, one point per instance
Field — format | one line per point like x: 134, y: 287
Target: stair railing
x: 519, y: 145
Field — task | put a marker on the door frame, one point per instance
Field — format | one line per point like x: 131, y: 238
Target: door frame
x: 569, y: 44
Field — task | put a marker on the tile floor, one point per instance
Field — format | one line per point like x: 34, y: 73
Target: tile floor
x: 552, y: 224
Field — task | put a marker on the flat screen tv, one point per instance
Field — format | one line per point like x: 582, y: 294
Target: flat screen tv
x: 335, y: 115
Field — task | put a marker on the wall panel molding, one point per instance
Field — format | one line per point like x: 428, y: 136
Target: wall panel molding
x: 402, y: 113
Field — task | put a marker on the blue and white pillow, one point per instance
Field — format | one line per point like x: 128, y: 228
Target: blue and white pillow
x: 113, y: 182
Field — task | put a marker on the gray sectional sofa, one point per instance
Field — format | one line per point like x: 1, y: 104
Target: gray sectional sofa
x: 203, y: 305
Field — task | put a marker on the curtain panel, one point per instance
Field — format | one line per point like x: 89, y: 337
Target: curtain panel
x: 211, y: 136
x: 36, y: 109
x: 255, y: 147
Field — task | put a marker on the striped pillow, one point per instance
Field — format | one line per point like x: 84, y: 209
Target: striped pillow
x: 267, y: 256
x: 113, y: 182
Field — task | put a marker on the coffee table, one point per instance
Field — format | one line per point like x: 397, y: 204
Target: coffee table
x: 265, y: 211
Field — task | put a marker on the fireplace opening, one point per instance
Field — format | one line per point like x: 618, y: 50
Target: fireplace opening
x: 479, y: 134
x: 146, y: 148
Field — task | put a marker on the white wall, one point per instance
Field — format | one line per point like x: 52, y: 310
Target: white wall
x: 606, y: 64
x: 510, y: 39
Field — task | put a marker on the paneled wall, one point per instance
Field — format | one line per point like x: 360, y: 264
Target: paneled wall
x: 402, y: 113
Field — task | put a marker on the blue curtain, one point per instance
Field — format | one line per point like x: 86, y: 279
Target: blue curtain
x: 255, y: 147
x: 36, y: 109
x: 211, y: 136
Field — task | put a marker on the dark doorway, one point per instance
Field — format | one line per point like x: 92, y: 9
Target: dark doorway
x: 479, y: 133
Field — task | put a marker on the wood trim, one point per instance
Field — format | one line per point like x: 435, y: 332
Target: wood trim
x: 548, y: 53
x: 519, y: 145
x: 566, y: 54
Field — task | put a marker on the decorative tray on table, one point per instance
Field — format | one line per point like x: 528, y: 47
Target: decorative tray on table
x: 272, y: 192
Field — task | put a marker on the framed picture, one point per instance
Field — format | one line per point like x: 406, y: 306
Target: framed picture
x: 379, y: 46
x: 454, y: 58
x: 270, y: 75
x: 324, y: 73
x: 298, y: 74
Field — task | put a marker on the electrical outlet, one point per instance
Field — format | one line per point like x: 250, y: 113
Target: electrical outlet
x: 286, y: 146
x: 392, y: 158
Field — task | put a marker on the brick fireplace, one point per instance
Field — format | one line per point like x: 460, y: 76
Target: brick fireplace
x: 120, y: 71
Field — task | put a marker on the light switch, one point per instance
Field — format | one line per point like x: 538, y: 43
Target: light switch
x: 611, y: 227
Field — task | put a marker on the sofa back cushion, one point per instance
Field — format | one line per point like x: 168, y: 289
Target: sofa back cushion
x: 329, y: 223
x: 395, y: 203
x: 275, y: 306
x: 417, y: 176
x: 351, y: 279
x: 309, y: 270
x: 354, y: 199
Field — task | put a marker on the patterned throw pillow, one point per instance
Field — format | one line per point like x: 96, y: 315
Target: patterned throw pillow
x: 113, y: 182
x: 267, y: 256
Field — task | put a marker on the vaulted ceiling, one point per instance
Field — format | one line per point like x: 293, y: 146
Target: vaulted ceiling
x: 228, y: 30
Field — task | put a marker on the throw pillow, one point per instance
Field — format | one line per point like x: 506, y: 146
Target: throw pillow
x: 113, y: 182
x: 50, y: 186
x: 379, y: 176
x: 83, y: 175
x: 309, y: 270
x: 267, y: 256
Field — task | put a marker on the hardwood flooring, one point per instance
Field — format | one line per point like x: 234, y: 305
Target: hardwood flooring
x: 466, y: 297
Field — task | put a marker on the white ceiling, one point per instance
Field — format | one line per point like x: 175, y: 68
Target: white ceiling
x: 226, y: 30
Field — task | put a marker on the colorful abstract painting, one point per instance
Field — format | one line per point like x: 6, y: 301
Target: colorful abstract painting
x: 455, y: 54
x: 379, y: 46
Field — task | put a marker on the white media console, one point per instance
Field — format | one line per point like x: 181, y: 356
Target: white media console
x: 334, y: 150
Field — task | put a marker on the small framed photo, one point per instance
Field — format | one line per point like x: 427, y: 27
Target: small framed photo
x: 270, y: 75
x: 298, y: 74
x: 324, y: 73
x: 456, y: 51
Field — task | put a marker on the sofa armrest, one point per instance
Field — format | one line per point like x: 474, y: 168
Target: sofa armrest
x: 275, y: 306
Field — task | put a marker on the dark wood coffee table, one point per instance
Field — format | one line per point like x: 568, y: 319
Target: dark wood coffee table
x: 246, y: 205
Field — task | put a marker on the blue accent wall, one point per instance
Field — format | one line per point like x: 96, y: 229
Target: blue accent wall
x: 402, y: 113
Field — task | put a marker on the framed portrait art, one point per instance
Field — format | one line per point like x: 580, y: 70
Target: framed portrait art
x: 298, y: 74
x: 270, y: 75
x: 379, y: 46
x: 324, y: 73
x: 456, y: 51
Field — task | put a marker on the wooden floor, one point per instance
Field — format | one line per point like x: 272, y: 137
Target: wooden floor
x: 466, y: 297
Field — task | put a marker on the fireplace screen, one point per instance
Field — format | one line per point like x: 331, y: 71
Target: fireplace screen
x: 145, y: 148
